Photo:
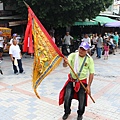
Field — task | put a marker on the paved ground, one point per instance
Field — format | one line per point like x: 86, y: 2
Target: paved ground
x: 18, y: 101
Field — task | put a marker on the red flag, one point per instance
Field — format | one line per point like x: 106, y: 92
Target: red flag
x: 28, y: 33
x: 47, y: 55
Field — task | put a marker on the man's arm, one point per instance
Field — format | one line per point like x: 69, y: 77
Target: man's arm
x: 11, y: 56
x: 102, y: 42
x: 20, y: 55
x: 68, y: 60
x: 90, y: 79
x: 71, y: 37
x: 90, y: 82
x: 65, y: 62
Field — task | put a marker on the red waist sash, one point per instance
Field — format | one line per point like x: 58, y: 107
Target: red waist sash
x: 76, y: 89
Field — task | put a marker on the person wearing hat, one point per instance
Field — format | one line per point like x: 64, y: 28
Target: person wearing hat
x: 82, y: 63
x: 15, y: 36
x: 1, y: 45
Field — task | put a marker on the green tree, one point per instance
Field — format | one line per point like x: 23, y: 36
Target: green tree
x: 61, y: 13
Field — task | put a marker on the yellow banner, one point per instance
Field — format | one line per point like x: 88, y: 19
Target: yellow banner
x: 45, y: 57
x: 6, y: 31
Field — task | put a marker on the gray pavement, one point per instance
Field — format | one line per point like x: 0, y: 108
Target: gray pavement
x: 18, y: 101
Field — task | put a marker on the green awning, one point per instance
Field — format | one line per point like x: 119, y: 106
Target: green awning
x: 85, y: 23
x: 102, y: 20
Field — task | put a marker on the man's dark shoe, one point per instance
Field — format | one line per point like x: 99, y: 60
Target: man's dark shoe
x: 1, y: 72
x: 79, y: 117
x: 65, y: 116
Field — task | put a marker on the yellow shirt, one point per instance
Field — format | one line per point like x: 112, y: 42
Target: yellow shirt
x: 87, y: 68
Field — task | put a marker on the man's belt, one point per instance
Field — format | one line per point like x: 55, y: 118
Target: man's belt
x: 73, y: 80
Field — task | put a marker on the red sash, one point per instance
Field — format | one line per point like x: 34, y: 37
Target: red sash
x: 76, y: 89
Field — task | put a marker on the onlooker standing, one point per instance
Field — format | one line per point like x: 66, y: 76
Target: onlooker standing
x: 95, y: 37
x: 106, y: 50
x: 99, y: 46
x: 113, y: 45
x: 116, y: 39
x: 15, y: 55
x: 67, y: 41
x: 105, y: 37
x: 67, y: 38
x: 1, y: 45
x: 94, y: 41
x: 87, y: 39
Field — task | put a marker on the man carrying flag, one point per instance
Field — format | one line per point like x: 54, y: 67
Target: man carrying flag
x: 47, y: 57
x: 82, y: 64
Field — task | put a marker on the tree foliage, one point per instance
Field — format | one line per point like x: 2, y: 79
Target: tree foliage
x: 61, y: 13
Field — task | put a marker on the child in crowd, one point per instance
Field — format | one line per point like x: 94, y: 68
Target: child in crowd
x: 106, y: 50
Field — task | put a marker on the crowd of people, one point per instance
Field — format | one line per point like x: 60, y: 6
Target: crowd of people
x: 68, y: 44
x: 78, y: 84
x: 103, y: 44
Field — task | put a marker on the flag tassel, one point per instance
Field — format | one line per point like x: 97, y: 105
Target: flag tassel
x: 36, y: 93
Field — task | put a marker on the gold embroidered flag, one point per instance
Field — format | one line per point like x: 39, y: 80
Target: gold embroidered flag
x: 47, y: 56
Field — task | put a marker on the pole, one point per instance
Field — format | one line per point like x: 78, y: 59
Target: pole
x: 26, y: 4
x: 70, y: 66
x: 80, y: 82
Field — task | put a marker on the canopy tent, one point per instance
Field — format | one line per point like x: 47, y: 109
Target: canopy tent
x: 85, y: 23
x: 99, y: 19
x: 109, y: 15
x: 6, y: 31
x: 113, y: 24
x: 103, y: 20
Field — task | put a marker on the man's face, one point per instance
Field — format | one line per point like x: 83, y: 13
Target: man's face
x: 14, y: 37
x: 15, y: 42
x: 67, y: 33
x: 82, y: 52
x: 86, y: 36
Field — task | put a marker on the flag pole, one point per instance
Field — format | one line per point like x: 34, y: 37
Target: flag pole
x: 26, y: 4
x: 70, y: 67
x: 81, y: 82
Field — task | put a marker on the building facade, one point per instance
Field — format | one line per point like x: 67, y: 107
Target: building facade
x: 116, y: 7
x: 9, y: 18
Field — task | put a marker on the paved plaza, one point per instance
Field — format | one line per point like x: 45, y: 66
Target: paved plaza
x: 18, y: 101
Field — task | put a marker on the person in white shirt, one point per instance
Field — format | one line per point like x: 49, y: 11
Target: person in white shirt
x: 105, y: 37
x: 67, y: 39
x: 113, y: 45
x: 95, y: 39
x: 86, y: 39
x: 15, y: 55
x: 1, y: 45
